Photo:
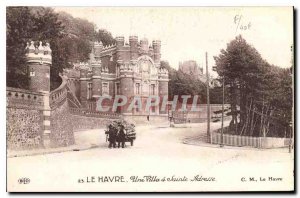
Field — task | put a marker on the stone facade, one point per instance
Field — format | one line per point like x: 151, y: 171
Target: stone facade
x: 128, y: 69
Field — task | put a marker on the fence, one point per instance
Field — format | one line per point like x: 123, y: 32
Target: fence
x: 256, y: 142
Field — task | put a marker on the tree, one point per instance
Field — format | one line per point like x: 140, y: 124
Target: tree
x: 25, y: 24
x: 18, y: 31
x: 105, y: 37
x: 70, y: 40
x: 255, y: 87
x: 184, y: 84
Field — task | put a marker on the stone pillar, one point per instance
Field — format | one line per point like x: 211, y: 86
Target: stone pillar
x: 83, y: 86
x: 96, y: 79
x: 47, y: 121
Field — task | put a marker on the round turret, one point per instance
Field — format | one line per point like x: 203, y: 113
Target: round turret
x: 156, y: 50
x: 134, y: 49
x: 144, y: 45
x: 120, y: 41
x: 39, y: 60
x: 98, y: 47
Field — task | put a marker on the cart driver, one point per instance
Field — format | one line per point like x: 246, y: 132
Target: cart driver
x: 121, y: 137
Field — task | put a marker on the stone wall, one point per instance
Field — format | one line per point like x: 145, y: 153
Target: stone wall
x: 80, y: 122
x: 142, y: 119
x: 92, y: 121
x: 61, y: 126
x: 31, y: 123
x: 24, y: 119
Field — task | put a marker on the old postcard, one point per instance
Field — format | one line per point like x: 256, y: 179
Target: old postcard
x: 149, y: 99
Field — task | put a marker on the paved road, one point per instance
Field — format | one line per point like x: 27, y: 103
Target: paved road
x: 158, y: 151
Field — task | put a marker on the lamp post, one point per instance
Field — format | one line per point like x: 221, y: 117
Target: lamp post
x: 209, y: 137
x: 290, y: 139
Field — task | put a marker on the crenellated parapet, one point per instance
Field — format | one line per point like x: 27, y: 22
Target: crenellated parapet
x: 144, y: 46
x: 163, y: 74
x: 127, y: 51
x: 38, y: 53
x: 104, y: 70
x: 107, y: 47
x: 120, y: 41
x: 96, y: 63
x: 82, y: 65
x: 98, y: 47
x: 98, y: 44
x: 38, y: 62
x: 126, y: 67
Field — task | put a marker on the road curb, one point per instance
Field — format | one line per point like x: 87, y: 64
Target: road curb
x: 54, y: 150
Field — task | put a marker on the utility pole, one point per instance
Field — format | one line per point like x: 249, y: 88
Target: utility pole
x: 222, y: 126
x: 209, y: 137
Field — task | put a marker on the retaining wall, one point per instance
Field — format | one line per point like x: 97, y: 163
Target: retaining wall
x: 24, y: 119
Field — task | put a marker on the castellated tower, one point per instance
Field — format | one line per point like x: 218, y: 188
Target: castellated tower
x: 96, y: 79
x: 126, y: 84
x: 121, y: 49
x: 83, y: 83
x: 156, y: 51
x: 134, y: 49
x: 39, y: 60
x: 144, y: 46
x: 98, y: 46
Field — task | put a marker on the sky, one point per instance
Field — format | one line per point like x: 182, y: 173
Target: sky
x: 186, y: 33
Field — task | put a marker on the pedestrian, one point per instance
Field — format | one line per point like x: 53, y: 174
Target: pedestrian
x: 121, y: 137
x: 112, y: 132
x: 148, y: 118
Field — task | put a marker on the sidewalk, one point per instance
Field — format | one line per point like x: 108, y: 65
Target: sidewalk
x: 24, y: 153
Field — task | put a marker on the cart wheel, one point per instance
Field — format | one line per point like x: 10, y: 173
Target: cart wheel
x: 131, y: 142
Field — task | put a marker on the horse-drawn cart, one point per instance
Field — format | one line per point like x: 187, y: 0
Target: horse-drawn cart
x: 115, y: 127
